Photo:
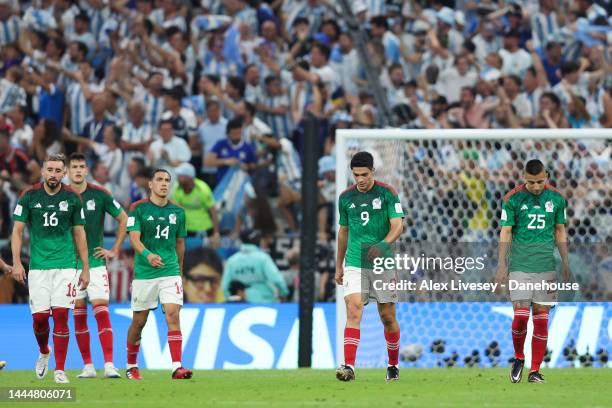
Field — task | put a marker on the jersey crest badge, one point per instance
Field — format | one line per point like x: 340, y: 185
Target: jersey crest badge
x: 376, y: 204
x: 63, y: 206
x: 549, y: 206
x: 91, y: 205
x: 172, y: 218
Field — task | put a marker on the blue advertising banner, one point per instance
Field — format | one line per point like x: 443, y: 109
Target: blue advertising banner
x: 214, y: 336
x: 221, y: 336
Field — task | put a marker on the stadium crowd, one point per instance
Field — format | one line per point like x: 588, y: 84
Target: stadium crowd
x: 217, y: 90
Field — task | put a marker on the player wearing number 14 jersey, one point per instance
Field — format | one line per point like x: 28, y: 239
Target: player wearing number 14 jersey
x: 157, y: 233
x: 533, y: 220
x: 370, y: 221
x: 54, y: 216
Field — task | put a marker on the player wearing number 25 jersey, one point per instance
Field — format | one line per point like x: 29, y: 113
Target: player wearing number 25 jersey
x: 54, y: 215
x: 370, y: 221
x: 533, y: 220
x: 157, y: 233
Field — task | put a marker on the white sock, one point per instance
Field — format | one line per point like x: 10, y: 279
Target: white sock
x: 131, y: 366
x: 109, y: 365
x: 175, y: 365
x: 89, y: 365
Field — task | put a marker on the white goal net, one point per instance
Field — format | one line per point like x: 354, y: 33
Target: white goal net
x: 451, y: 184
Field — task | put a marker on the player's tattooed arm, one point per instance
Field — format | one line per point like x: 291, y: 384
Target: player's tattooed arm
x: 342, y: 244
x: 80, y: 240
x: 505, y: 240
x: 16, y: 242
x: 154, y: 259
x: 561, y: 241
x: 180, y: 252
x: 8, y: 269
x: 100, y: 252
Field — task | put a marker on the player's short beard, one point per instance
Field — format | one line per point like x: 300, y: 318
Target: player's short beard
x: 52, y: 184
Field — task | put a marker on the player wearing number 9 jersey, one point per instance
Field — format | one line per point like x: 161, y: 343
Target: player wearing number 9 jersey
x: 54, y: 215
x: 157, y: 233
x: 370, y: 221
x: 533, y: 220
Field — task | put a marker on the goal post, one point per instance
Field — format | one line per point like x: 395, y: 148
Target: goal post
x: 419, y: 159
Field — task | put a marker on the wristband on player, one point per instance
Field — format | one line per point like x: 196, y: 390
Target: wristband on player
x: 146, y: 253
x: 385, y: 247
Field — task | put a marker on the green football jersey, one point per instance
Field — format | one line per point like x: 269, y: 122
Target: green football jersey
x: 97, y: 201
x: 159, y: 228
x: 533, y: 219
x: 50, y: 219
x: 367, y: 216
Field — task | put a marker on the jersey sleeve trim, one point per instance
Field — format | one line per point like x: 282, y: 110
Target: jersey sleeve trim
x: 517, y: 189
x: 99, y: 188
x: 386, y: 186
x: 26, y: 190
x: 351, y: 188
x: 71, y: 190
x: 137, y: 203
x: 553, y: 189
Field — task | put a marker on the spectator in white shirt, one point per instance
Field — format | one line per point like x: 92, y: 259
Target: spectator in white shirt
x: 516, y: 60
x: 168, y: 151
x: 452, y: 79
x: 512, y: 87
x: 22, y: 132
x: 210, y: 132
x: 486, y: 41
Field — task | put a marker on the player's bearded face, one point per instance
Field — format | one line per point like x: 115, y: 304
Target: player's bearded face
x: 364, y: 177
x: 535, y: 183
x: 53, y: 173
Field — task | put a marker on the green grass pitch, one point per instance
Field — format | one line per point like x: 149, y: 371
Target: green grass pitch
x: 457, y: 387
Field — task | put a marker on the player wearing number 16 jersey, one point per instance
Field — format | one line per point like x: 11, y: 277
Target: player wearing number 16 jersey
x: 533, y: 220
x: 54, y: 216
x: 157, y: 233
x: 370, y: 221
x: 97, y: 202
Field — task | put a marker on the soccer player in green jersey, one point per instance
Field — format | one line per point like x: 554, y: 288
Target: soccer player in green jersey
x: 533, y: 220
x: 157, y: 233
x: 54, y: 215
x: 370, y: 222
x: 97, y: 202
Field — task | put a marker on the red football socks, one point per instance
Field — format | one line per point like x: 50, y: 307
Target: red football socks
x: 351, y: 342
x: 61, y: 336
x: 41, y: 330
x: 539, y: 339
x: 82, y: 333
x: 393, y: 339
x: 105, y: 331
x: 519, y: 331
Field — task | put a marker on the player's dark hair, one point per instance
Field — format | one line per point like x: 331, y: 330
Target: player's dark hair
x: 76, y: 157
x: 160, y: 171
x: 534, y: 167
x: 362, y: 159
